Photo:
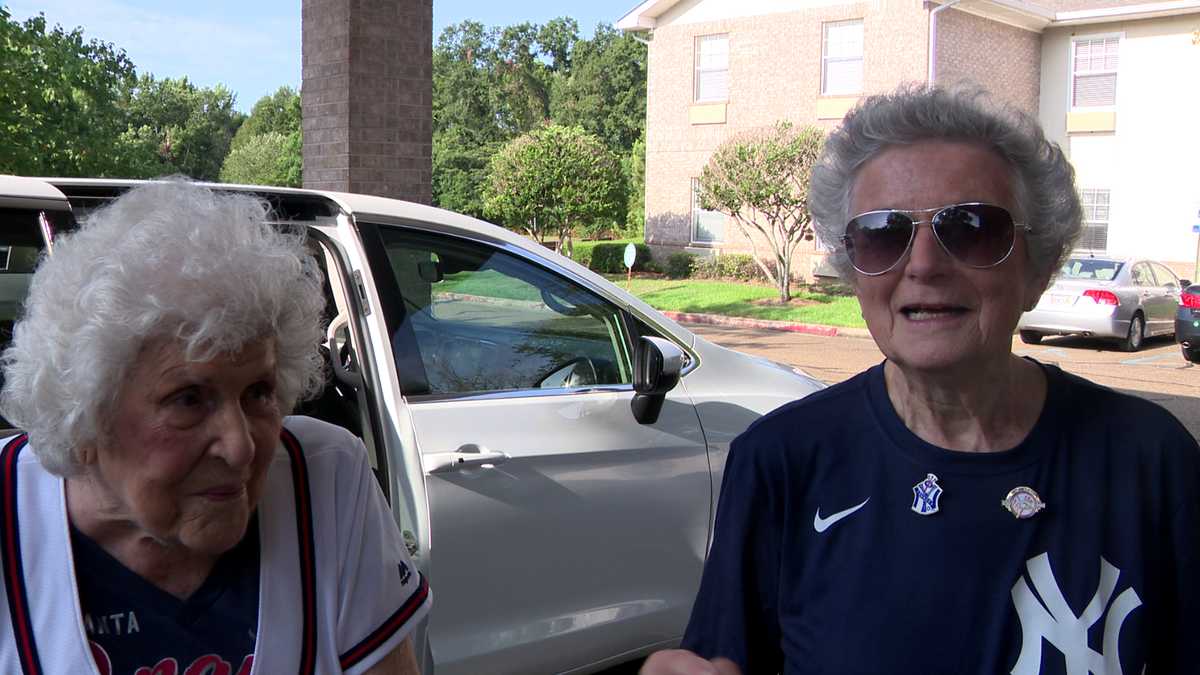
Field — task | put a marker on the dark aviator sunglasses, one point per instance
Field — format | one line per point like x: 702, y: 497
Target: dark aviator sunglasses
x: 977, y: 235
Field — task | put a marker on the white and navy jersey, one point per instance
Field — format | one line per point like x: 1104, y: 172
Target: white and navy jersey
x: 136, y: 628
x: 846, y: 544
x: 337, y: 591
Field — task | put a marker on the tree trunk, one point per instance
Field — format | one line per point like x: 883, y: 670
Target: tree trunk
x: 784, y: 270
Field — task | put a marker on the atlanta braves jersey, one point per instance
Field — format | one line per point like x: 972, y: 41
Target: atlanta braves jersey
x: 846, y: 544
x: 337, y: 590
x: 135, y: 627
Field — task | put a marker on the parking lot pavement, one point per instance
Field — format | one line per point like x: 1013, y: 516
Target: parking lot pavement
x: 1157, y: 372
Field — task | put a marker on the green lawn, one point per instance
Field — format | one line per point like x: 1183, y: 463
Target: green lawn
x: 730, y: 298
x: 489, y: 284
x: 738, y: 299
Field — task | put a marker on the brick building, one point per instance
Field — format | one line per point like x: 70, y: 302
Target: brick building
x: 1115, y: 83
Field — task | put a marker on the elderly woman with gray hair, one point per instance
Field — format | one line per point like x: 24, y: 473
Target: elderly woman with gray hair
x: 161, y: 515
x: 957, y: 508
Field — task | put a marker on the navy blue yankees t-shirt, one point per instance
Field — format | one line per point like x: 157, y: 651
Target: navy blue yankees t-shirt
x: 136, y: 628
x: 846, y: 544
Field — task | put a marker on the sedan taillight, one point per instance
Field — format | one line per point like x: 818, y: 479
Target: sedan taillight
x: 1190, y: 300
x: 1102, y: 297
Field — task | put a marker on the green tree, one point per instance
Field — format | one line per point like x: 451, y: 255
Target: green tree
x: 267, y: 150
x: 491, y: 85
x: 187, y: 127
x: 635, y: 213
x: 554, y: 181
x: 60, y: 100
x: 604, y: 90
x: 761, y: 180
x: 466, y: 130
x: 264, y: 159
x: 278, y: 112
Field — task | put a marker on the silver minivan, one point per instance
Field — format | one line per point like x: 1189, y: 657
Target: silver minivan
x: 551, y: 446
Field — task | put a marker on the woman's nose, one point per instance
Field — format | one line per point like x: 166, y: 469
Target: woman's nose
x: 234, y: 442
x: 926, y: 256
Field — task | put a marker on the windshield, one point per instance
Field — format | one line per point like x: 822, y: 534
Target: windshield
x: 1089, y: 268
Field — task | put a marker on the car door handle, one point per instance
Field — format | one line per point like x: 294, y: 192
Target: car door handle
x: 466, y: 457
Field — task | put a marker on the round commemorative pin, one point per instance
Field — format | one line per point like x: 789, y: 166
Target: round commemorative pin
x: 1023, y: 502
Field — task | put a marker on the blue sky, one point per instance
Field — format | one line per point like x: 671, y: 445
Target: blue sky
x: 253, y: 47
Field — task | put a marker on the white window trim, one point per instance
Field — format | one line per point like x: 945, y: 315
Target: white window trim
x: 862, y: 57
x: 693, y: 186
x: 1107, y: 223
x: 1120, y: 35
x: 696, y: 68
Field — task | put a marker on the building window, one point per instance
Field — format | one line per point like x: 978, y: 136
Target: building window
x: 1094, y: 71
x: 1095, y: 220
x: 712, y: 68
x: 842, y: 58
x: 708, y: 227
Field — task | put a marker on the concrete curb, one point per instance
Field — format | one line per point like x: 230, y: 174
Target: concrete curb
x: 789, y: 326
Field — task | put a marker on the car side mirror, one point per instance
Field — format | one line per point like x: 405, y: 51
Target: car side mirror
x: 656, y: 367
x: 1184, y: 283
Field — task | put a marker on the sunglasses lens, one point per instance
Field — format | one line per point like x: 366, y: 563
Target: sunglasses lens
x: 876, y: 241
x: 979, y: 235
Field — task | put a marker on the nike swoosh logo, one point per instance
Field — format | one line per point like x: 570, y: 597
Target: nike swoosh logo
x: 821, y: 524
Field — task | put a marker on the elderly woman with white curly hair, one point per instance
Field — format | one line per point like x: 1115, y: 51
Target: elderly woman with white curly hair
x: 160, y: 513
x: 956, y: 508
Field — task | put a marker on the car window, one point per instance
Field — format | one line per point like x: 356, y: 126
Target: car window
x: 488, y: 321
x: 1164, y: 275
x: 1142, y: 276
x: 21, y: 246
x: 1089, y: 268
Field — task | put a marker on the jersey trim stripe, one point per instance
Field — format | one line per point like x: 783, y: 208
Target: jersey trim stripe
x: 304, y: 535
x: 394, y: 623
x: 14, y: 573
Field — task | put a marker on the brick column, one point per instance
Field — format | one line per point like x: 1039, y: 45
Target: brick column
x: 366, y: 97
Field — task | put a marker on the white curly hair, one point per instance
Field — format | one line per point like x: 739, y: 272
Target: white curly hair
x: 167, y: 259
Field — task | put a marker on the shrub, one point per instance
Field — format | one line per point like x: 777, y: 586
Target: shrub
x: 679, y: 265
x: 739, y: 266
x: 609, y: 258
x: 581, y: 252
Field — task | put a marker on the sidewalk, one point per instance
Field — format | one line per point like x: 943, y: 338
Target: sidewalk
x: 788, y: 326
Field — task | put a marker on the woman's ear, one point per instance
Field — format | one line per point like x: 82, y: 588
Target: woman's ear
x: 1034, y: 291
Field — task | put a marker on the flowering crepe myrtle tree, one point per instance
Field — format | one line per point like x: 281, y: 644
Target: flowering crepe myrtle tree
x: 760, y: 179
x: 554, y: 180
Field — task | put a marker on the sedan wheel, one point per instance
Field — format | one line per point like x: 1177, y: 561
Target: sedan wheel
x: 1133, y: 341
x: 1030, y: 337
x: 1190, y: 355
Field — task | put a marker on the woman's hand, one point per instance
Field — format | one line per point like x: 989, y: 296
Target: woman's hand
x: 683, y: 662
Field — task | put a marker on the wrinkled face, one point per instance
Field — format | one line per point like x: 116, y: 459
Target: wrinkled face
x: 932, y: 313
x: 190, y: 444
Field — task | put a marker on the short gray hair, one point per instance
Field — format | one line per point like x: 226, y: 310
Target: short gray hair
x: 1043, y: 180
x: 167, y: 259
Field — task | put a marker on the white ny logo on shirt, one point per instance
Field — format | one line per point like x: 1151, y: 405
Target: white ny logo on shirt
x: 1055, y: 621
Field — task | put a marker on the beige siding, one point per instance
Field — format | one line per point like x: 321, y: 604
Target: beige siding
x: 774, y: 74
x: 1004, y: 59
x: 1148, y: 157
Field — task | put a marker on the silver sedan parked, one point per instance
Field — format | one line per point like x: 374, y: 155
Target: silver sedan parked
x: 1127, y: 300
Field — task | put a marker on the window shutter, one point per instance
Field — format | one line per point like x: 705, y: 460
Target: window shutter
x: 1095, y: 72
x: 842, y: 58
x: 843, y: 77
x: 1095, y: 90
x: 712, y: 85
x: 707, y: 226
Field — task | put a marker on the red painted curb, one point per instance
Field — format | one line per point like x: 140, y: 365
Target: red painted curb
x: 741, y: 322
